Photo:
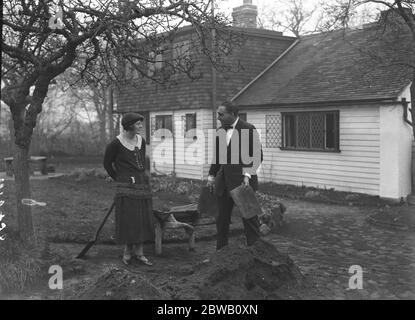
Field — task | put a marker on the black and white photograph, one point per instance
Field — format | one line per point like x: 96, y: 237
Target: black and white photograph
x: 219, y: 152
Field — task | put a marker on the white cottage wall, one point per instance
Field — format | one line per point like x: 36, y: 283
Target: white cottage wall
x: 374, y: 158
x: 404, y: 141
x: 355, y: 169
x: 184, y: 167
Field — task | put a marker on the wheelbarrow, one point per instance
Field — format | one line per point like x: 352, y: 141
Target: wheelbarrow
x: 185, y: 217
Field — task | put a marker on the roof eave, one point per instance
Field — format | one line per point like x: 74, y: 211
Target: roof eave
x: 382, y: 100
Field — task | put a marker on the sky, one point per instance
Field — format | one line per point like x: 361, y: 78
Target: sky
x: 266, y: 5
x: 280, y: 5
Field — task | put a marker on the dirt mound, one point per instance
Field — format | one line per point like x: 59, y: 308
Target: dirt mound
x: 257, y: 272
x: 121, y: 284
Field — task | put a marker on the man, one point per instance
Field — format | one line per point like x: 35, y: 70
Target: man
x: 226, y: 175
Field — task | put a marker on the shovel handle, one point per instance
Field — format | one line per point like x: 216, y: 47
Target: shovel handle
x: 103, y: 221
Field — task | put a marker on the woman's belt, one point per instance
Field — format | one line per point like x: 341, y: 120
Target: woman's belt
x: 138, y: 191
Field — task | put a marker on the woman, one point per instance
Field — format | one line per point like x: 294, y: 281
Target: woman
x: 125, y: 162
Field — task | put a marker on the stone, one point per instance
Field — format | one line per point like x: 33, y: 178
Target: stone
x: 272, y: 218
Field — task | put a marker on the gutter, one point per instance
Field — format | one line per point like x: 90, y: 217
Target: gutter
x: 385, y: 100
x: 265, y: 70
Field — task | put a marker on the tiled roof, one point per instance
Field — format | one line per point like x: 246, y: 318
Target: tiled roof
x: 259, y: 48
x: 332, y: 67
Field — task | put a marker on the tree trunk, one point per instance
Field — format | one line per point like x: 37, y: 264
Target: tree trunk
x: 413, y: 130
x: 21, y: 174
x: 102, y: 131
x: 110, y: 110
x: 11, y: 130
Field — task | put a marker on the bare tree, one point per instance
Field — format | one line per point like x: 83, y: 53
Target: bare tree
x: 59, y: 113
x: 286, y: 15
x: 43, y: 38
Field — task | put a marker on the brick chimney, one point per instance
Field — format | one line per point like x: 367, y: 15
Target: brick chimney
x: 245, y: 16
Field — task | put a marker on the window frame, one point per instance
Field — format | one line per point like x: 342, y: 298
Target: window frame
x: 336, y: 114
x: 186, y: 124
x: 155, y: 62
x: 163, y: 121
x: 181, y: 50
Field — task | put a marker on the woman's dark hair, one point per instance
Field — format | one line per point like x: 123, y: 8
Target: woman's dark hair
x: 230, y: 107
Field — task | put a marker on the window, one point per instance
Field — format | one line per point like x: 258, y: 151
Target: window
x: 164, y: 122
x: 133, y: 65
x: 181, y: 51
x: 311, y: 131
x: 273, y: 130
x: 131, y: 71
x: 155, y: 63
x: 190, y: 121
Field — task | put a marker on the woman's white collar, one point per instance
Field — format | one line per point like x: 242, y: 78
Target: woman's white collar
x: 128, y: 144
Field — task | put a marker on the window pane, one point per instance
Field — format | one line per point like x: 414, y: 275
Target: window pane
x: 273, y: 130
x: 290, y: 131
x: 159, y: 122
x: 317, y: 130
x: 168, y: 123
x: 331, y: 131
x: 304, y: 131
x: 190, y: 121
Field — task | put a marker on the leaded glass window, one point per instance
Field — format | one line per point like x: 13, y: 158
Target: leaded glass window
x: 311, y: 130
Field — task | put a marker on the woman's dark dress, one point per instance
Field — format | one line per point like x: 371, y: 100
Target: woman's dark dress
x: 133, y: 202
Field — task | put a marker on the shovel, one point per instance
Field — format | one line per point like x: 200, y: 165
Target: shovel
x: 92, y: 242
x: 246, y: 201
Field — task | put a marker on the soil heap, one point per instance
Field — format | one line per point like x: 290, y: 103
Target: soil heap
x: 256, y: 272
x: 121, y: 284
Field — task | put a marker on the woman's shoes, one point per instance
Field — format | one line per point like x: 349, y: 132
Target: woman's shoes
x: 126, y: 260
x: 143, y: 260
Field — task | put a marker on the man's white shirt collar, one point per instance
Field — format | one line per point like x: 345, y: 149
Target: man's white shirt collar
x: 234, y: 124
x: 229, y: 133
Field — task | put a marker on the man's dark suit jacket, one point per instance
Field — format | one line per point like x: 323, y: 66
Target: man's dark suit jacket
x: 229, y: 176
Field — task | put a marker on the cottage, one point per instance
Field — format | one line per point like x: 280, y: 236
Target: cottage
x: 189, y: 104
x: 331, y: 119
x: 327, y: 117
